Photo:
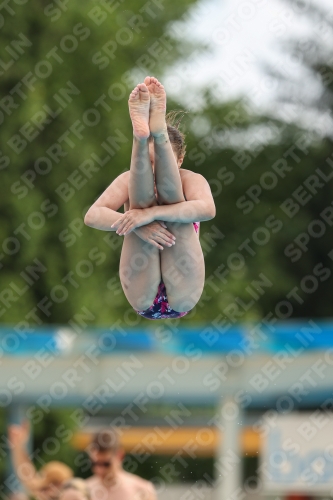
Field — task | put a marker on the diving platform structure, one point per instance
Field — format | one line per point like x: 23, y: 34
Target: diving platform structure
x: 270, y: 367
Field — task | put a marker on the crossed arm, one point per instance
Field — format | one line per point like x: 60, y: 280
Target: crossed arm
x: 103, y: 214
x: 185, y: 211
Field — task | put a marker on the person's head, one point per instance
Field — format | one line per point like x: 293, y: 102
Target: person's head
x: 53, y: 475
x: 106, y: 454
x: 176, y: 137
x: 74, y: 489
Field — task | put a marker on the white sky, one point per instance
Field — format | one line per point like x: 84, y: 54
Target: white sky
x: 242, y: 35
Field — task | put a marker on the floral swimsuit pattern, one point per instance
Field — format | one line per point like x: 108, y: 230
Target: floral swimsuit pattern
x: 160, y: 309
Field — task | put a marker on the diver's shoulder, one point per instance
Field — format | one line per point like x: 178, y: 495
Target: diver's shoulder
x: 184, y: 172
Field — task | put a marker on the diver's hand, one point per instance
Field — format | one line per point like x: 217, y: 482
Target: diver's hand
x: 156, y: 234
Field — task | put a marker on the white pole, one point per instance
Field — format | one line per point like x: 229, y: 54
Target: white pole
x: 228, y: 465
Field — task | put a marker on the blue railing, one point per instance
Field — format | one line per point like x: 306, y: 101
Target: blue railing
x: 304, y: 335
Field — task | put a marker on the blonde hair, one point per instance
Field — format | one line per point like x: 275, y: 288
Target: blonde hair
x: 54, y: 472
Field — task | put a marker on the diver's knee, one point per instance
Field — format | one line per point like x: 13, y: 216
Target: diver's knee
x: 183, y: 304
x: 141, y: 302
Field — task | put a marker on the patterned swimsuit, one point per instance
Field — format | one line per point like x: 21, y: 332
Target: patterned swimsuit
x: 160, y: 309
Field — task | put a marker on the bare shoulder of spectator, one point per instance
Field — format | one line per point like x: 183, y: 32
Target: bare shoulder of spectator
x: 146, y: 488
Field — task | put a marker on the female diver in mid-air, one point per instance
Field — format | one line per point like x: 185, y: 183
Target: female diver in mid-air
x: 162, y: 269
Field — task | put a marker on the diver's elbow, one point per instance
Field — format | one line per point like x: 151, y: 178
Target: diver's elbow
x: 211, y: 212
x: 89, y: 218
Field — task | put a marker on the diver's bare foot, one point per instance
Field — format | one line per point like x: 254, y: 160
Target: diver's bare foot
x: 138, y: 104
x: 157, y: 109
